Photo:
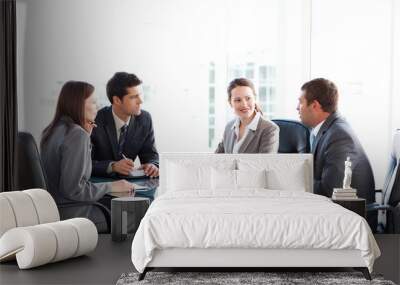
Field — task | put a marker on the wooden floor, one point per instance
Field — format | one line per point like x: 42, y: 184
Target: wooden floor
x: 111, y: 259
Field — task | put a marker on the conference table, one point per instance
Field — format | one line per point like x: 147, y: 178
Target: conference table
x: 151, y: 185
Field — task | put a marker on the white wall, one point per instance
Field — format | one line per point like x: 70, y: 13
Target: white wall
x: 351, y: 45
x: 395, y: 82
x: 169, y: 44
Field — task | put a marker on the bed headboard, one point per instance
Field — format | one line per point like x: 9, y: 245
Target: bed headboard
x: 287, y: 170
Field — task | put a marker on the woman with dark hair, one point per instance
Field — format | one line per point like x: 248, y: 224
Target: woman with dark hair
x: 249, y: 132
x: 66, y: 148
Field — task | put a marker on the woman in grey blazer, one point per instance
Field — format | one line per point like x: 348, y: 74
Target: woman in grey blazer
x: 66, y: 149
x: 249, y: 132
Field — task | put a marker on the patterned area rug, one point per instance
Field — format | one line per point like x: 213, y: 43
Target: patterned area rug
x: 225, y: 278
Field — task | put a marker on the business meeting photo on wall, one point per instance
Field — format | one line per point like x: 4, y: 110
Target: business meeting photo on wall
x: 200, y: 142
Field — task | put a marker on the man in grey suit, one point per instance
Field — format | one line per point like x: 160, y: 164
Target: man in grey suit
x: 332, y: 141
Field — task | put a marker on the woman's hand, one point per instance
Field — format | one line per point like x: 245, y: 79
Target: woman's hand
x: 121, y: 186
x: 89, y: 126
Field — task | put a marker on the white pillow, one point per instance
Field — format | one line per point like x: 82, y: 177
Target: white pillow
x: 251, y: 178
x: 291, y: 178
x: 186, y: 176
x: 223, y: 179
x: 281, y: 173
x: 194, y: 174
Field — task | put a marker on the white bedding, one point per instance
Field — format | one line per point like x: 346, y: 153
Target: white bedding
x: 251, y: 218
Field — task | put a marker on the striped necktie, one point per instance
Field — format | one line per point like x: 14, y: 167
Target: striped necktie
x: 121, y: 141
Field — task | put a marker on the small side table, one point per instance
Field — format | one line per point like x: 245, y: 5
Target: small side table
x: 356, y: 205
x: 126, y: 214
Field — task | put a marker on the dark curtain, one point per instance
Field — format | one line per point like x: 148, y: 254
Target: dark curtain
x: 8, y: 93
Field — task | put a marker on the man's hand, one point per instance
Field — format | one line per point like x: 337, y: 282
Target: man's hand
x: 150, y: 170
x: 124, y: 166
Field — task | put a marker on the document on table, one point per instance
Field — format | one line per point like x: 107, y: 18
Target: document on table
x: 140, y: 187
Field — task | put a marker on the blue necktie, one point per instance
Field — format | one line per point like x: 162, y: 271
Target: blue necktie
x: 312, y: 141
x: 121, y: 141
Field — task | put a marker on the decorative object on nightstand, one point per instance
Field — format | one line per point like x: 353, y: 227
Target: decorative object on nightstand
x: 345, y: 193
x: 126, y: 214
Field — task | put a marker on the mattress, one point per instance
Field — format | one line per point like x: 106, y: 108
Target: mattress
x: 250, y: 219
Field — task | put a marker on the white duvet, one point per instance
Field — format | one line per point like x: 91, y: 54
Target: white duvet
x: 251, y: 218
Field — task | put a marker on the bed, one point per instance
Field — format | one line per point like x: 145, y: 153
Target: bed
x: 244, y: 210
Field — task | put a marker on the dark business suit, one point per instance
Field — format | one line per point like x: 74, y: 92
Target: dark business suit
x: 336, y: 141
x: 139, y: 141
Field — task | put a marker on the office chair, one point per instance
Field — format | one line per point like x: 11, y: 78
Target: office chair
x: 30, y: 174
x: 390, y: 206
x: 293, y: 137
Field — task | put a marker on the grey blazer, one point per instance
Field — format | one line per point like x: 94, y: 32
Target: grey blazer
x: 334, y: 142
x: 265, y: 139
x: 67, y: 162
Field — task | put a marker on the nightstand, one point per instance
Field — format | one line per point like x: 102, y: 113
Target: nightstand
x: 355, y: 205
x: 126, y: 214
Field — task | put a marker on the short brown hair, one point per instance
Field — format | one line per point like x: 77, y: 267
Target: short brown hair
x: 240, y: 82
x: 323, y: 91
x: 117, y: 85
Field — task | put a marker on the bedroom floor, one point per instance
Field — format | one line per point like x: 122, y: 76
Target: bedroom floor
x: 106, y: 264
x: 102, y: 266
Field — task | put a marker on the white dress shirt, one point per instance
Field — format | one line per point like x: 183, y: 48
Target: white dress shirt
x: 252, y: 126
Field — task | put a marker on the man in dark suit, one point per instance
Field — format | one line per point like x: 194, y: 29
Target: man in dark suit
x: 332, y: 141
x: 123, y: 131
